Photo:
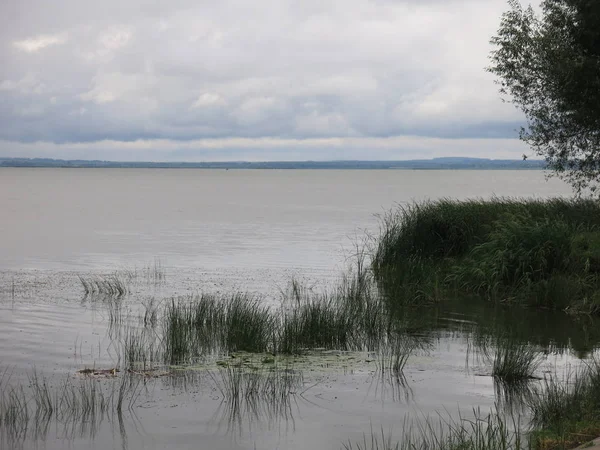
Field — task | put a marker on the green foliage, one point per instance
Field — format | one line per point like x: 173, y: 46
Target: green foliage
x: 537, y: 252
x: 566, y: 414
x: 350, y: 317
x: 549, y: 66
x: 514, y: 362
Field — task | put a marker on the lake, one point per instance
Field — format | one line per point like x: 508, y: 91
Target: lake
x: 175, y: 233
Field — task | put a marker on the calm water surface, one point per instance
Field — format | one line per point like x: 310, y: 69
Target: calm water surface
x: 219, y: 231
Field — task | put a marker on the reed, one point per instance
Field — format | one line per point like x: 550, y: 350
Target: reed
x: 350, y: 317
x: 514, y: 362
x: 156, y: 273
x: 149, y: 318
x: 142, y: 349
x: 108, y: 286
x: 567, y: 413
x: 536, y: 252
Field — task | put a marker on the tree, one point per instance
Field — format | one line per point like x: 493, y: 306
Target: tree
x: 549, y: 66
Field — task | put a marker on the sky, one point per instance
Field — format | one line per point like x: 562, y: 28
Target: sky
x: 199, y: 80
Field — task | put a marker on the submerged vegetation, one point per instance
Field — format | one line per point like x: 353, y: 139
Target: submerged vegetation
x: 351, y: 317
x: 514, y: 362
x: 542, y: 253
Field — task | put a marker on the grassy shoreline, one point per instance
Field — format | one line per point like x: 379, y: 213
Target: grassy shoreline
x: 534, y: 253
x: 542, y: 253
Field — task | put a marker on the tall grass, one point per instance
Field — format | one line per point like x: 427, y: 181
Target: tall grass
x: 567, y: 413
x: 351, y: 316
x: 491, y: 432
x: 208, y: 323
x: 156, y: 273
x: 142, y: 349
x: 514, y: 362
x: 149, y: 318
x: 540, y: 252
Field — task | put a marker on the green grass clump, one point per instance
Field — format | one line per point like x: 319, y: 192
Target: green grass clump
x: 514, y: 362
x: 208, y: 323
x: 534, y: 252
x: 566, y: 414
x: 350, y: 317
x: 109, y: 286
x: 316, y: 324
x: 248, y: 325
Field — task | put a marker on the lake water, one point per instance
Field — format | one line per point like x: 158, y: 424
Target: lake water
x: 222, y: 231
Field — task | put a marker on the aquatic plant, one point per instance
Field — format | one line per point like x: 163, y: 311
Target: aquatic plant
x: 514, y: 362
x: 142, y: 349
x: 481, y: 432
x: 351, y: 316
x: 567, y: 413
x: 538, y: 252
x: 207, y: 323
x: 111, y: 286
x: 76, y: 404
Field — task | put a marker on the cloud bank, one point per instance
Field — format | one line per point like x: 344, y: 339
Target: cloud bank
x: 273, y: 79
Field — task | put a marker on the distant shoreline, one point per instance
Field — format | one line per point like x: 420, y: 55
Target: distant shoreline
x: 421, y: 164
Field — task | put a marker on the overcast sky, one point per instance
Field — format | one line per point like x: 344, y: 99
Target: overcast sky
x: 251, y: 80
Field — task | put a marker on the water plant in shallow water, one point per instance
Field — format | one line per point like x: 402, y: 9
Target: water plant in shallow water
x: 567, y: 413
x: 493, y: 431
x: 514, y: 362
x: 110, y: 286
x: 351, y: 317
x: 75, y: 404
x: 536, y: 252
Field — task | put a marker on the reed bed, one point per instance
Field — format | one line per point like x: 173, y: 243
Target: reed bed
x: 257, y: 394
x: 567, y: 413
x: 142, y: 349
x: 535, y: 252
x: 352, y: 317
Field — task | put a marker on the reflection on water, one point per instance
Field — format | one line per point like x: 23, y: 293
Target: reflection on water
x: 68, y: 409
x: 388, y: 385
x: 257, y: 397
x: 515, y: 398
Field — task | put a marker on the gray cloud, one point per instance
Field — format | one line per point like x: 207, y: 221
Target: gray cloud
x: 185, y: 72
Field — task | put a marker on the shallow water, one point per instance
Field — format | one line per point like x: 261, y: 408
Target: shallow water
x: 221, y: 231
